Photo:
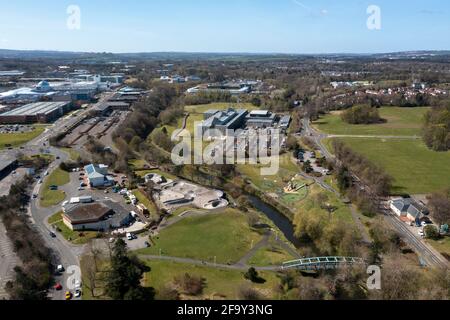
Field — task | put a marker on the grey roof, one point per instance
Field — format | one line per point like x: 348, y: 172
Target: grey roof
x: 6, y: 160
x: 36, y: 108
x: 411, y: 207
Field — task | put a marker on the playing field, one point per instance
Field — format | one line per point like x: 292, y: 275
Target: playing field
x: 202, y: 108
x: 399, y: 122
x: 225, y: 236
x: 415, y: 168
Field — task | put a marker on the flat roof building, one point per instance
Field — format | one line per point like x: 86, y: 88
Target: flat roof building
x: 224, y: 120
x: 99, y: 216
x: 260, y: 119
x: 38, y: 112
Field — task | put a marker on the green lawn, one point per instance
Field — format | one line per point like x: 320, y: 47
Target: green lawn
x: 415, y: 168
x: 18, y: 139
x: 218, y: 106
x: 273, y: 255
x: 52, y: 197
x: 400, y: 122
x: 226, y: 236
x: 220, y: 284
x: 73, y: 236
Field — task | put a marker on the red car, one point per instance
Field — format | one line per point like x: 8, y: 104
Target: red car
x: 58, y: 287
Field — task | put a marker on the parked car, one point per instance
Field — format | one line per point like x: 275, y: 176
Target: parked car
x: 147, y: 244
x: 421, y: 233
x: 60, y: 268
x: 52, y: 234
x: 77, y: 293
x: 58, y: 287
x: 68, y: 295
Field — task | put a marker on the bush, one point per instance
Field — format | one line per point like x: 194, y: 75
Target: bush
x: 191, y: 285
x: 431, y: 232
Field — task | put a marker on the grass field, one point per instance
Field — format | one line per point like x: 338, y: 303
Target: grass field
x: 18, y: 139
x: 53, y: 197
x: 415, y: 168
x: 200, y: 109
x: 400, y: 122
x: 220, y: 284
x: 225, y: 236
x: 273, y: 255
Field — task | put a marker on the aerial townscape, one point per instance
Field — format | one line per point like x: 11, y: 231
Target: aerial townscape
x: 223, y: 176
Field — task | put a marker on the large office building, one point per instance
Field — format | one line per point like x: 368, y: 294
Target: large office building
x: 260, y: 119
x: 57, y: 91
x: 39, y: 112
x: 223, y: 120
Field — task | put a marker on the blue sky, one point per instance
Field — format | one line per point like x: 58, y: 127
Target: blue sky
x: 260, y: 26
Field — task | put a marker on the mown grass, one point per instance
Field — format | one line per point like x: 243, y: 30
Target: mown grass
x: 415, y: 168
x: 399, y: 122
x: 18, y: 139
x: 225, y: 236
x: 220, y: 284
x: 52, y: 197
x: 218, y: 106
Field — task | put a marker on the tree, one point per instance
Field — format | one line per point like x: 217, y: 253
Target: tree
x: 436, y: 131
x: 431, y: 232
x: 361, y: 115
x: 439, y: 204
x: 123, y: 282
x: 253, y: 276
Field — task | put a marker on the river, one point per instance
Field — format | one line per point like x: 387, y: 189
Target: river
x: 280, y: 220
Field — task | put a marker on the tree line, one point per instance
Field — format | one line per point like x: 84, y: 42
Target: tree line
x: 436, y: 131
x: 34, y: 274
x: 374, y: 177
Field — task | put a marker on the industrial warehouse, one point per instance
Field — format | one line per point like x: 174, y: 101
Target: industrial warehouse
x: 39, y: 112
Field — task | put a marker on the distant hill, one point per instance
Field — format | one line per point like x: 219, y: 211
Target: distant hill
x: 63, y: 55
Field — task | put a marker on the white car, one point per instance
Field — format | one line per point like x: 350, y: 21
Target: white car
x: 77, y: 293
x: 130, y: 236
x: 421, y: 233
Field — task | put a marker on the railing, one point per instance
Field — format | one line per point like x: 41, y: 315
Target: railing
x: 321, y: 263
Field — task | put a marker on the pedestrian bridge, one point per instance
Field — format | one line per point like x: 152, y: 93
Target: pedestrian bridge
x: 321, y: 263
